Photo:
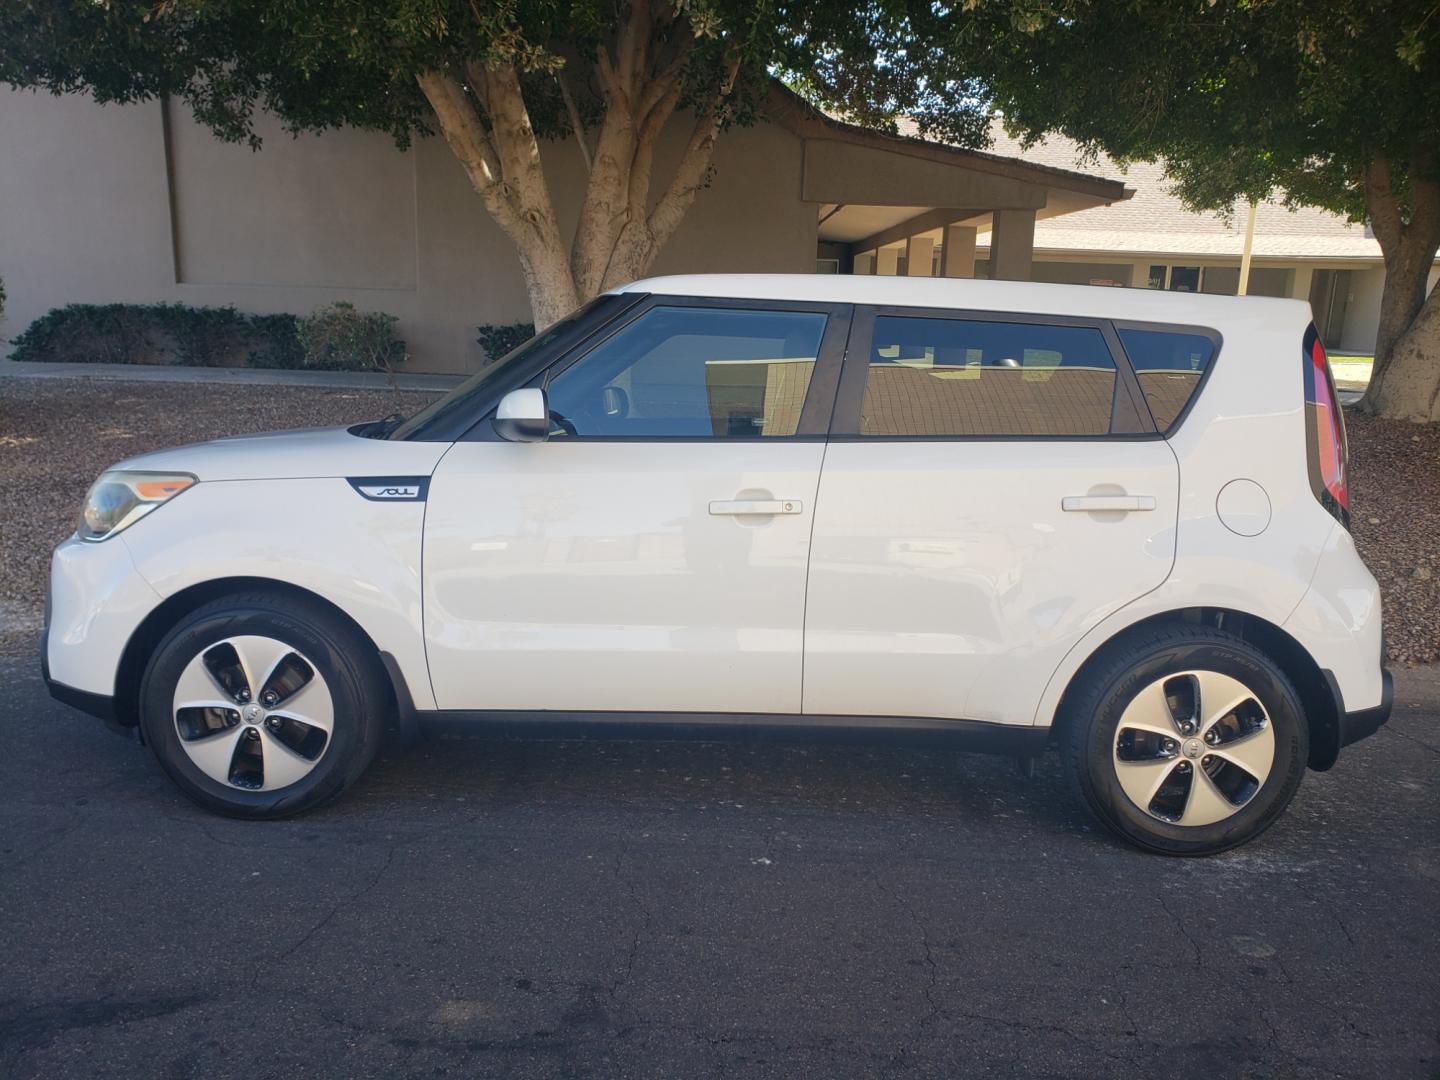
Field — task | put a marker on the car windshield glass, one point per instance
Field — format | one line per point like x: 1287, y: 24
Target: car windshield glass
x: 458, y: 402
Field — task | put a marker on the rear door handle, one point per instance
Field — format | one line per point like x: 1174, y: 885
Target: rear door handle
x: 756, y: 506
x: 1089, y: 504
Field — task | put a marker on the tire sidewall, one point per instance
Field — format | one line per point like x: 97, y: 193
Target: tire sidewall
x: 308, y: 637
x: 1102, y: 787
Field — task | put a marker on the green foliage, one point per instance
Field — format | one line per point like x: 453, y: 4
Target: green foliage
x: 160, y: 334
x: 321, y: 64
x: 1240, y: 98
x: 497, y: 339
x: 340, y: 337
x: 275, y: 342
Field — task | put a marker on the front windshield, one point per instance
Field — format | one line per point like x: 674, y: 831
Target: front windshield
x: 456, y: 403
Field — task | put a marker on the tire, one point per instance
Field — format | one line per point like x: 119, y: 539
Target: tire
x: 197, y: 707
x: 1101, y: 740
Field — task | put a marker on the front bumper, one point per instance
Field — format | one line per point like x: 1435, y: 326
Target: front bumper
x: 100, y: 706
x: 95, y: 602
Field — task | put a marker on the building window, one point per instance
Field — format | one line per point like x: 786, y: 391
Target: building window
x: 1185, y: 279
x: 963, y: 377
x: 1157, y: 278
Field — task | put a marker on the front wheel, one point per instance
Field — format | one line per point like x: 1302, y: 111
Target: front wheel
x: 262, y: 706
x: 1186, y: 741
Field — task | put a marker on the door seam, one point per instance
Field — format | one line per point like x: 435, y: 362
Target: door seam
x: 809, y: 559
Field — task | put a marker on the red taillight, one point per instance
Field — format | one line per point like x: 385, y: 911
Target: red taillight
x: 1325, y: 434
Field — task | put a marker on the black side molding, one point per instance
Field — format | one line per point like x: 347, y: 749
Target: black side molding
x: 1355, y: 726
x: 408, y: 728
x: 100, y: 706
x: 1010, y: 739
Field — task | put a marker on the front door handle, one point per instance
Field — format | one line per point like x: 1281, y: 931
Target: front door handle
x: 1090, y: 504
x: 756, y: 506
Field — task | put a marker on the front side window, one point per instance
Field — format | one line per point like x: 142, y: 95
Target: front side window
x: 458, y: 406
x: 975, y: 377
x: 678, y: 372
x: 1169, y: 365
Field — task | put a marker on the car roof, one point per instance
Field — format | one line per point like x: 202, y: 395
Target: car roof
x: 1021, y: 297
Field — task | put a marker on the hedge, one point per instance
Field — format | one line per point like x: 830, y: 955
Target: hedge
x: 335, y: 337
x: 160, y: 334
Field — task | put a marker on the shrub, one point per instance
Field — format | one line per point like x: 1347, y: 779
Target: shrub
x: 275, y: 342
x: 497, y: 339
x: 160, y: 334
x: 2, y: 299
x: 340, y: 337
x: 91, y: 334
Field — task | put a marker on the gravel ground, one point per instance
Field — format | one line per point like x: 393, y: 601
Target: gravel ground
x: 56, y: 435
x: 1395, y: 516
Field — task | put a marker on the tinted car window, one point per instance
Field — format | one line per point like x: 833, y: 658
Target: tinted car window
x: 692, y: 373
x: 459, y: 405
x: 974, y: 377
x: 1169, y: 366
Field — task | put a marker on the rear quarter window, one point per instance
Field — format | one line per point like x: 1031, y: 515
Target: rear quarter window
x: 1169, y: 365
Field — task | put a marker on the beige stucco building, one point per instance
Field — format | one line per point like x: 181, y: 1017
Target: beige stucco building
x: 1152, y: 241
x: 140, y: 204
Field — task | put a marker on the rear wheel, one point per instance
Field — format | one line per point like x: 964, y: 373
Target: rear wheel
x: 262, y: 706
x: 1186, y: 740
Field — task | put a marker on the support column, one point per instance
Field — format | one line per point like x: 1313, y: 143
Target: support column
x: 864, y: 263
x: 1012, y: 244
x: 1300, y: 285
x: 919, y: 256
x: 957, y: 254
x: 887, y: 261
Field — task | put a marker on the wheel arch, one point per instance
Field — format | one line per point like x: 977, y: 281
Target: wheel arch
x: 153, y: 628
x: 1314, y: 685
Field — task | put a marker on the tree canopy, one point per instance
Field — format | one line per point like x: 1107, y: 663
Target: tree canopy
x: 492, y: 78
x: 1334, y: 105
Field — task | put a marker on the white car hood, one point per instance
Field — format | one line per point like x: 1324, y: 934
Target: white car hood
x: 291, y: 455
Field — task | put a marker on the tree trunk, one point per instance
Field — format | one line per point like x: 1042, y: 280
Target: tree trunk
x: 1410, y: 386
x: 484, y: 119
x: 503, y: 164
x: 1406, y: 374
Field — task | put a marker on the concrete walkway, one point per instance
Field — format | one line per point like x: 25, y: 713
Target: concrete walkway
x: 340, y: 380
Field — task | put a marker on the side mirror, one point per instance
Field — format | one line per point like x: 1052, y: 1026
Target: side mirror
x: 523, y: 416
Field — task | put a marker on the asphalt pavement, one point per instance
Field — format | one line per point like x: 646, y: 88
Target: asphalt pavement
x: 550, y: 909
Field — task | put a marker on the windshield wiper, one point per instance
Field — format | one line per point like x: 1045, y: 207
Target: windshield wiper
x: 379, y: 429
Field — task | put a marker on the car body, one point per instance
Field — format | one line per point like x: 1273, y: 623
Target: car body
x: 898, y: 507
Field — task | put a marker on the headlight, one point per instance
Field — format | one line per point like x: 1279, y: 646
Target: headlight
x: 119, y: 499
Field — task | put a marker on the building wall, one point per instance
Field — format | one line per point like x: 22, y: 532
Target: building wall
x: 140, y: 204
x: 1267, y: 278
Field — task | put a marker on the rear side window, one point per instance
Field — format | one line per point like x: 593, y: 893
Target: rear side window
x: 977, y: 377
x: 1169, y: 365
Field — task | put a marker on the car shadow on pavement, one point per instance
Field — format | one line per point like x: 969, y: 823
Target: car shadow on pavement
x: 760, y: 775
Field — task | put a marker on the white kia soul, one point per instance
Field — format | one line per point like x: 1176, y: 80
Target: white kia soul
x: 984, y: 514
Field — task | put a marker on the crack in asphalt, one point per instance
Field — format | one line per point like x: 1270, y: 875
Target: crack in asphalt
x: 934, y: 980
x: 640, y: 931
x: 324, y: 920
x: 1184, y: 930
x: 1410, y: 739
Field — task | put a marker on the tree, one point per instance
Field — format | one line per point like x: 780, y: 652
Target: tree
x: 494, y: 79
x: 1334, y: 105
